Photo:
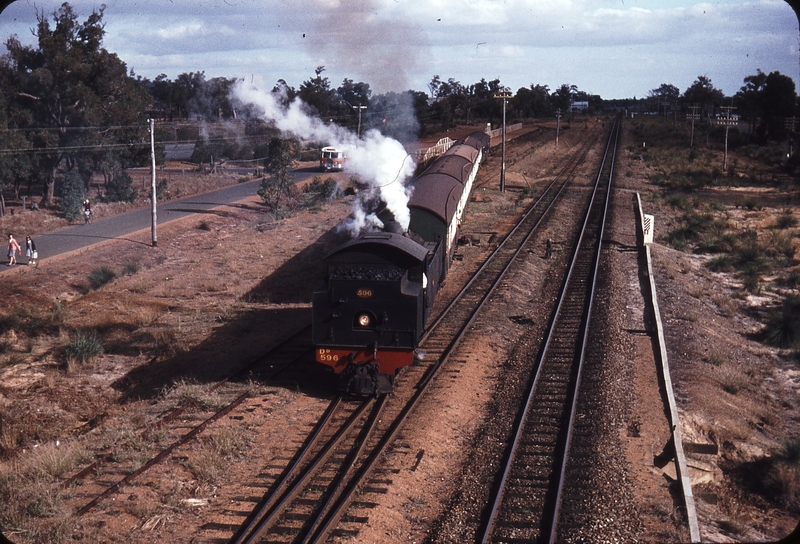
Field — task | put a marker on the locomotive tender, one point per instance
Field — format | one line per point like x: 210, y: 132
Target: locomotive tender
x: 380, y: 287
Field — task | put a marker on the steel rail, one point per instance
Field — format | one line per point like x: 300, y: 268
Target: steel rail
x: 288, y: 474
x: 338, y: 511
x: 268, y: 513
x: 584, y: 342
x: 546, y: 199
x: 497, y: 501
x: 173, y: 414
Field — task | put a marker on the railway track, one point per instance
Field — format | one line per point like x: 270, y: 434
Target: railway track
x: 315, y: 499
x: 111, y: 471
x: 526, y: 501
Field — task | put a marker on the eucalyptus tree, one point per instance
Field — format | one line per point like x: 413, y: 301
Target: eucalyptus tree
x: 72, y: 96
x: 14, y: 167
x: 317, y: 93
x: 278, y: 188
x: 666, y: 95
x: 703, y: 93
x: 563, y: 96
x: 533, y: 101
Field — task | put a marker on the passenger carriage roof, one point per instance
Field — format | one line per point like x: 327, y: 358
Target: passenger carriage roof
x: 478, y: 140
x: 466, y: 151
x: 437, y: 193
x: 455, y: 166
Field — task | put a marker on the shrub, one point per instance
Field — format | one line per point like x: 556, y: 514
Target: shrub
x: 782, y: 328
x: 326, y: 188
x: 121, y: 189
x: 732, y: 379
x: 130, y: 269
x: 752, y: 203
x: 72, y: 194
x: 677, y: 200
x: 82, y: 348
x: 161, y: 189
x: 785, y: 220
x: 100, y: 276
x: 790, y: 451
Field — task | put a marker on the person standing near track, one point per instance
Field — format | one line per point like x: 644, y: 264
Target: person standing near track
x: 13, y: 247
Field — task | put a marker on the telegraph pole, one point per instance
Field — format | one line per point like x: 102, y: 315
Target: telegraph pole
x: 153, y: 181
x: 694, y: 115
x: 790, y: 123
x: 558, y: 123
x: 359, y: 108
x: 728, y: 121
x: 504, y: 94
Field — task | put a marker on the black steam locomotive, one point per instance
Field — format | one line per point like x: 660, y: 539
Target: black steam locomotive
x: 369, y: 316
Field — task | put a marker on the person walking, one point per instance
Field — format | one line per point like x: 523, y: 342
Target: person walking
x: 13, y: 247
x: 30, y: 250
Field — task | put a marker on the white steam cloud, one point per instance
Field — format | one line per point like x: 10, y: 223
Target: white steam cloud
x: 377, y: 160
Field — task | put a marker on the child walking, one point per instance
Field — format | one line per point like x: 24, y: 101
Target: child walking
x: 13, y: 247
x: 30, y: 250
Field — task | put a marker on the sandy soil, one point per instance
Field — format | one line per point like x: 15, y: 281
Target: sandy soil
x: 223, y: 286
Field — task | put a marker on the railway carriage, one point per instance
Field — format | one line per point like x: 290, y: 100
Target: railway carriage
x: 371, y: 312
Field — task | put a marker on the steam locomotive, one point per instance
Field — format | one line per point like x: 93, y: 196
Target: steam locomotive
x: 379, y: 288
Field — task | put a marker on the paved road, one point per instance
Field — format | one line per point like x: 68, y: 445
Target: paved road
x: 117, y: 227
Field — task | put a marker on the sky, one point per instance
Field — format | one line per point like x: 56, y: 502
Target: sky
x: 612, y: 48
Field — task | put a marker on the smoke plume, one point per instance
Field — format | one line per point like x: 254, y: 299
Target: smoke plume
x: 377, y: 160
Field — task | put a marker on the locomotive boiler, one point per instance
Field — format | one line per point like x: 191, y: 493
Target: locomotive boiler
x: 369, y: 316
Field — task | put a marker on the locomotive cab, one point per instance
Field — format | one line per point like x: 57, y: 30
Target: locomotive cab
x: 368, y: 314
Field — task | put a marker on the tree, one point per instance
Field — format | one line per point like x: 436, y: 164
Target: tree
x: 667, y: 91
x: 666, y: 95
x: 14, y: 167
x: 317, y: 93
x: 480, y: 101
x: 563, y: 96
x: 121, y: 189
x: 67, y: 83
x: 396, y: 114
x: 748, y: 99
x: 285, y: 92
x: 533, y: 101
x: 352, y: 95
x: 72, y: 195
x: 767, y: 100
x: 778, y: 102
x: 280, y: 162
x: 703, y: 93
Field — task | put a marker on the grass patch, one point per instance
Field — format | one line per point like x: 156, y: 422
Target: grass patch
x: 706, y: 231
x: 31, y: 499
x: 100, y: 276
x: 32, y: 322
x: 774, y: 477
x: 715, y: 359
x: 82, y: 348
x: 782, y: 328
x: 785, y: 220
x: 129, y: 269
x: 732, y: 379
x: 211, y: 463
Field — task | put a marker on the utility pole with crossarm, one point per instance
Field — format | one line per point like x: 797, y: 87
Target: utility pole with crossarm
x: 504, y: 94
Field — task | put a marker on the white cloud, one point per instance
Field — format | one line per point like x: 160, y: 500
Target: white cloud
x: 181, y: 32
x: 609, y: 47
